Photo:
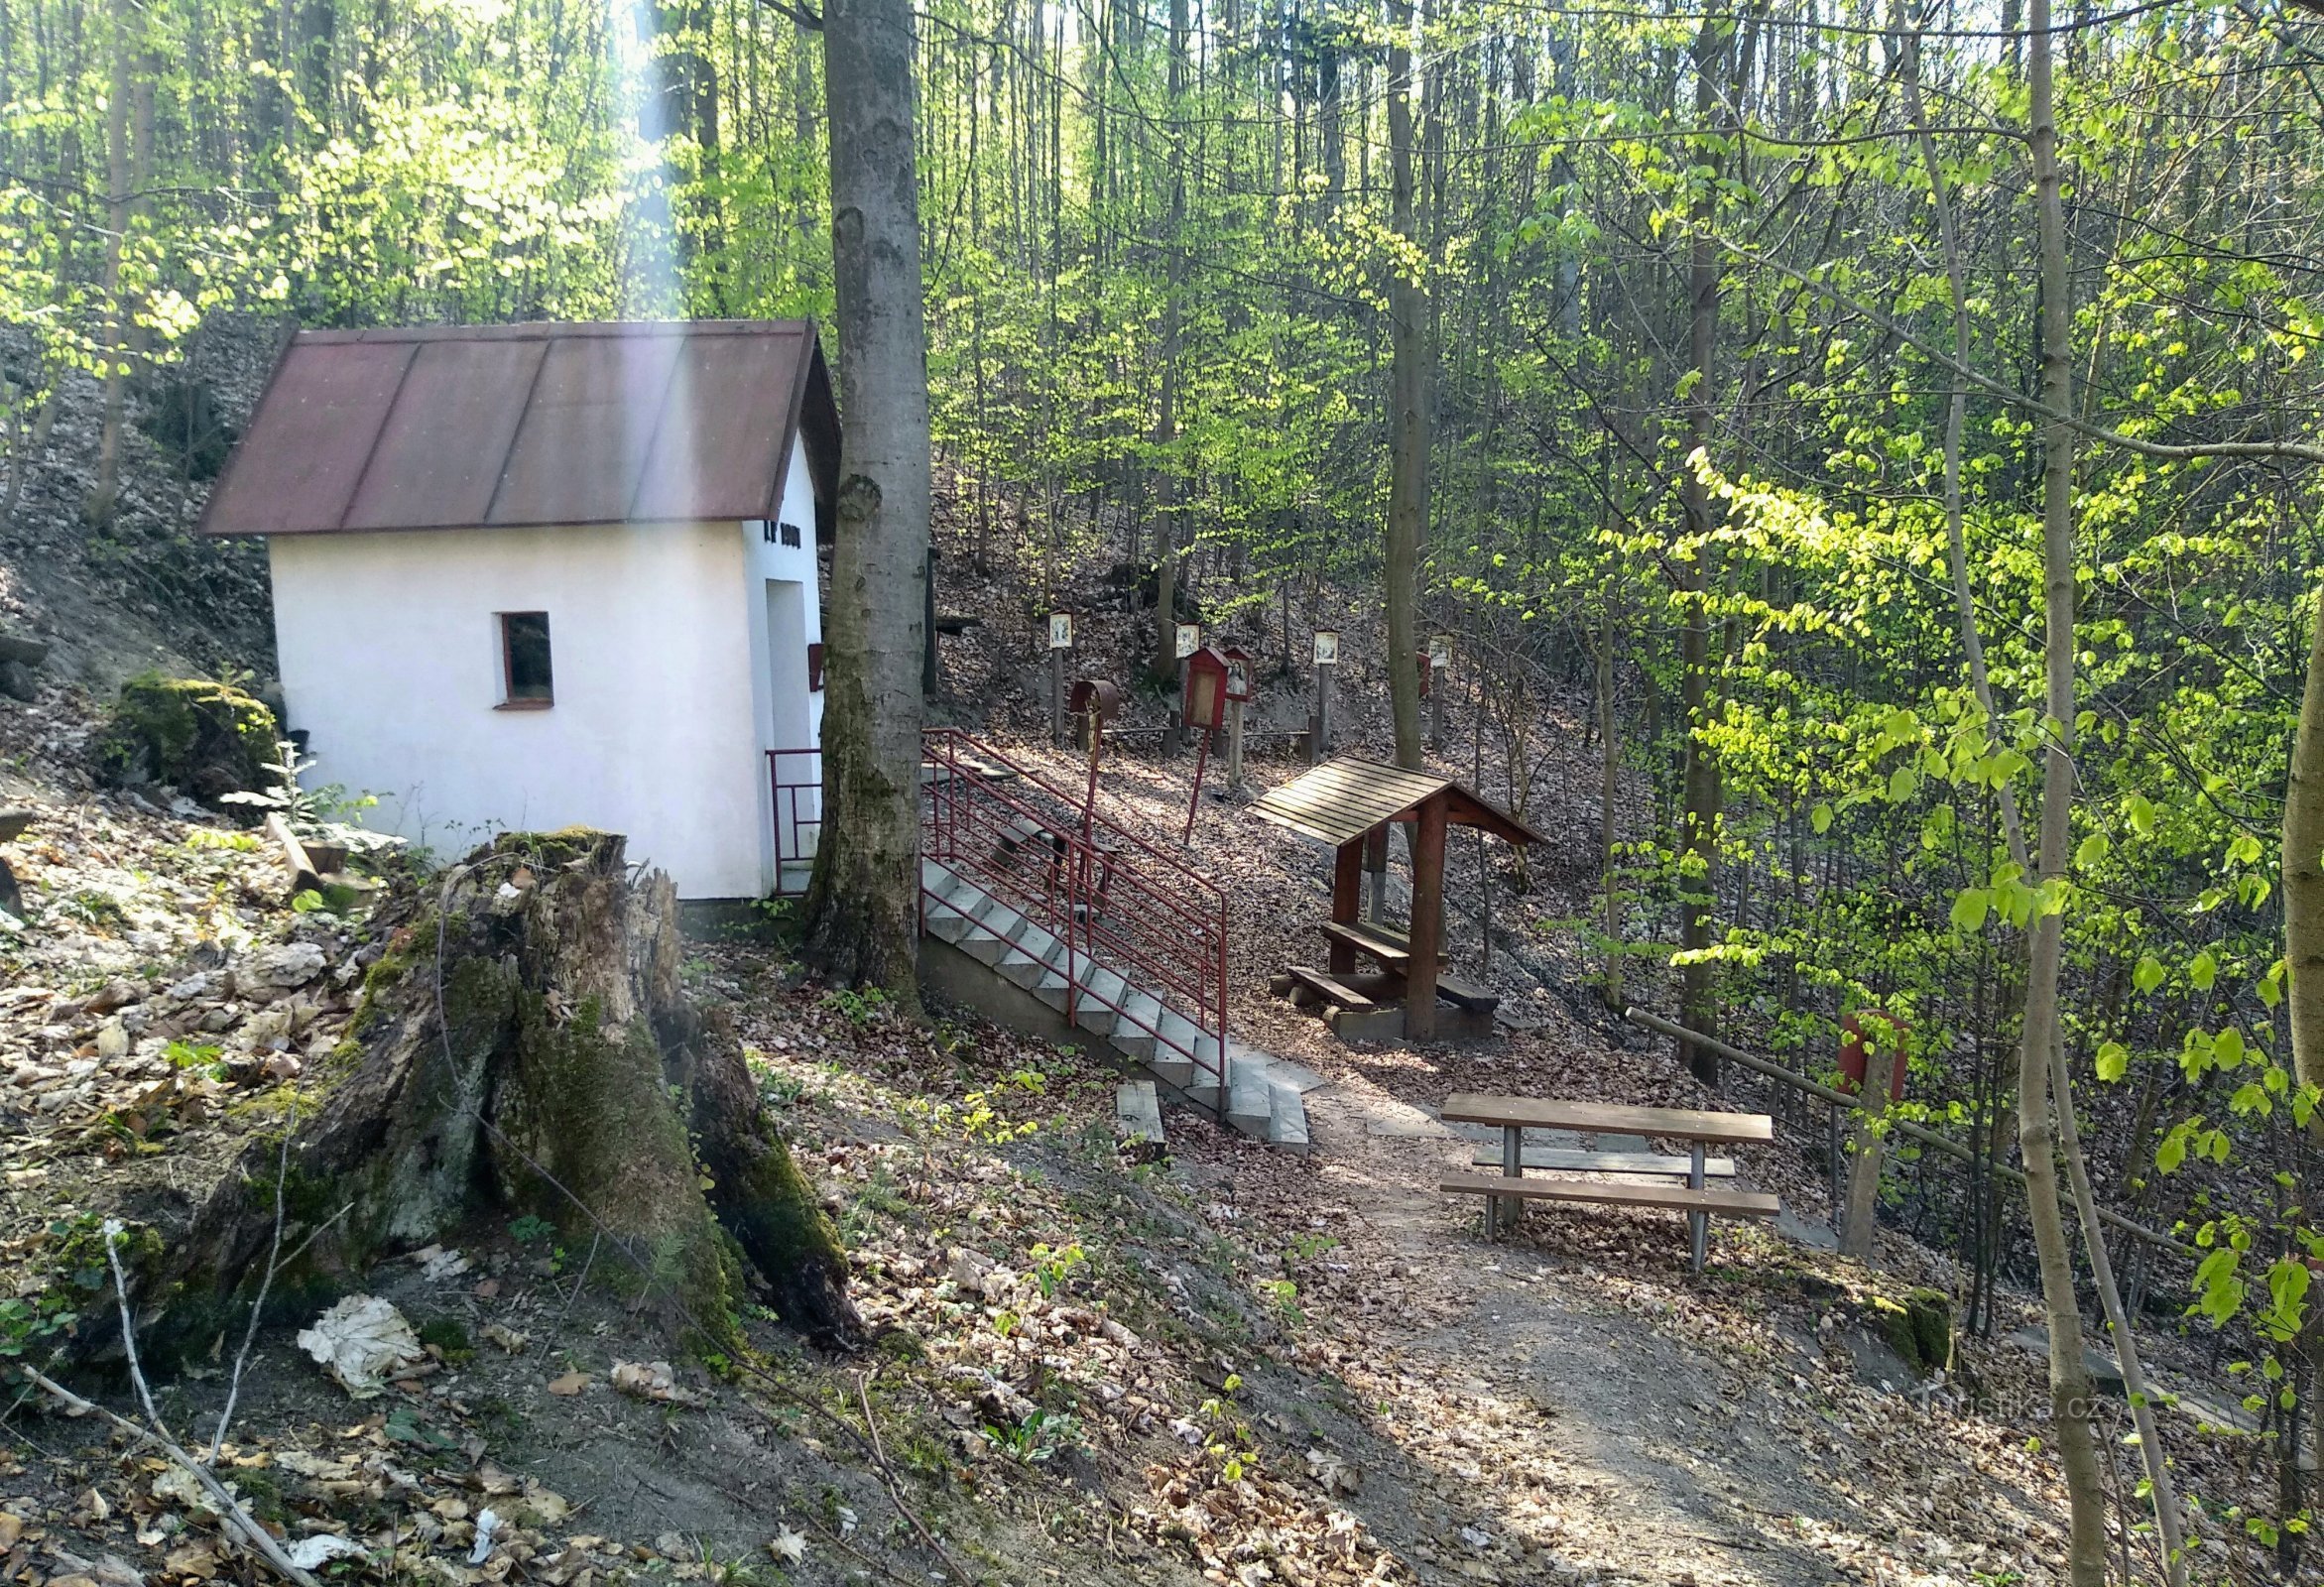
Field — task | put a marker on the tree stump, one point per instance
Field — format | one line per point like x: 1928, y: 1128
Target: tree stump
x: 525, y: 1047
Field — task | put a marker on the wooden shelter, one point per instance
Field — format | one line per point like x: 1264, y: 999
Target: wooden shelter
x: 1345, y: 801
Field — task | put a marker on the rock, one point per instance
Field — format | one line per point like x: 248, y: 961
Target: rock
x: 11, y: 896
x: 18, y: 682
x: 112, y: 1039
x: 203, y: 738
x: 114, y: 993
x: 292, y: 964
x: 22, y: 649
x: 13, y: 823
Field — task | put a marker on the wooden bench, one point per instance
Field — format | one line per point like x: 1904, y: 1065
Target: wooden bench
x: 1389, y: 947
x: 1326, y: 989
x: 1514, y: 1116
x: 1466, y: 994
x: 1024, y: 833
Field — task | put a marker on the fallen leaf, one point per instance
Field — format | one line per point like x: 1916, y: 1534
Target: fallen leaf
x: 789, y: 1546
x: 572, y: 1383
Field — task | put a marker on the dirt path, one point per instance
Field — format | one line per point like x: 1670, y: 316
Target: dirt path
x: 1547, y: 1426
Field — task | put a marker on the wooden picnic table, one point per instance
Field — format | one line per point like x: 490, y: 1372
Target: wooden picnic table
x: 1514, y: 1116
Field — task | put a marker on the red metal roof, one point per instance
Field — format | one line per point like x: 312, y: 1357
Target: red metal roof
x: 462, y: 426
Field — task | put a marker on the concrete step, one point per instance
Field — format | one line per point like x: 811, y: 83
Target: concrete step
x: 1250, y: 1101
x: 983, y: 945
x: 1287, y: 1115
x: 1138, y: 1115
x: 949, y: 925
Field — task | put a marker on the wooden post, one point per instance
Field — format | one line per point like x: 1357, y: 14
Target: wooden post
x: 1427, y: 935
x: 1234, y: 744
x: 1056, y: 696
x: 1319, y: 746
x: 1436, y: 704
x: 1375, y: 864
x: 1864, y: 1167
x: 1181, y: 735
x: 1347, y: 886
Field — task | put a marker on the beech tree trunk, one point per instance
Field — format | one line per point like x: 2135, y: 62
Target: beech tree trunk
x: 1700, y: 791
x: 526, y: 1050
x: 862, y: 904
x: 2303, y: 873
x: 1163, y: 662
x: 129, y: 132
x: 1407, y: 461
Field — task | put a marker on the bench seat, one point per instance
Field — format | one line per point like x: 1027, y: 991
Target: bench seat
x: 1329, y: 988
x: 1675, y: 1197
x: 1466, y: 994
x: 1572, y: 1159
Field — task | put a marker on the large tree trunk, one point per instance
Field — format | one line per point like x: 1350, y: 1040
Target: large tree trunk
x: 862, y: 905
x: 1700, y: 790
x: 2069, y: 1377
x: 1408, y: 466
x: 526, y: 1048
x: 1163, y: 660
x: 129, y: 131
x: 2303, y: 873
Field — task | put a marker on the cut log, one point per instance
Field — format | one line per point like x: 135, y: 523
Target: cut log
x: 304, y: 876
x: 526, y: 1047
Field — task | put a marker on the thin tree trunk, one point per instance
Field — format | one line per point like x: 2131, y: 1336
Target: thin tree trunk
x: 1609, y: 784
x: 1408, y: 308
x: 2069, y: 1377
x: 862, y: 905
x: 2161, y: 1487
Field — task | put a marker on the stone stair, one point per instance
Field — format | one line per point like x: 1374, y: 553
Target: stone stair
x: 1263, y: 1093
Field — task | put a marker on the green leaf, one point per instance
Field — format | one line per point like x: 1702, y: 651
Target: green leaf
x: 1901, y: 781
x: 2148, y: 975
x: 1969, y: 910
x: 2227, y: 1047
x: 2114, y: 1060
x: 2203, y: 971
x: 2141, y: 815
x: 1820, y: 819
x: 2092, y: 851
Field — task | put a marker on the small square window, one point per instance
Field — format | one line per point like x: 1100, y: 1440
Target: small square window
x: 790, y: 535
x: 524, y: 658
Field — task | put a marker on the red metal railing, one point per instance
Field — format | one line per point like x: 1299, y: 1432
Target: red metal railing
x: 1117, y: 903
x: 797, y: 779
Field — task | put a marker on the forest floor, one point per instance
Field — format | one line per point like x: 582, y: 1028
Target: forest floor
x: 1233, y: 1364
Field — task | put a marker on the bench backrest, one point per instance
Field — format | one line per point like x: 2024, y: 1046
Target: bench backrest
x: 1605, y: 1118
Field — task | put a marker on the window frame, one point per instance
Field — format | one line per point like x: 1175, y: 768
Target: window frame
x: 510, y: 700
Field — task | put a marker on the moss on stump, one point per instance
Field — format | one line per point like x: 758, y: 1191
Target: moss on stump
x: 526, y: 1048
x: 203, y: 738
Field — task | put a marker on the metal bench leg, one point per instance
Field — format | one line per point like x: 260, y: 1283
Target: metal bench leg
x: 1698, y: 1224
x: 1513, y: 1167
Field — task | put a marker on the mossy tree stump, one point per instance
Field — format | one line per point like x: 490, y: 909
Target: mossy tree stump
x: 525, y: 1047
x: 201, y: 738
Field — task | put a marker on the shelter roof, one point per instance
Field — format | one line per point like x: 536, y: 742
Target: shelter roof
x: 1346, y: 797
x: 461, y: 426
